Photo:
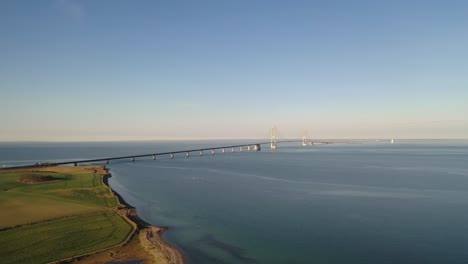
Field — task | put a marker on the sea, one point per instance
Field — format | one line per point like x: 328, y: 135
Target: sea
x: 353, y: 202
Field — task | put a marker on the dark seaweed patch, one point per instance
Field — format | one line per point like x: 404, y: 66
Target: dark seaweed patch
x: 235, y: 251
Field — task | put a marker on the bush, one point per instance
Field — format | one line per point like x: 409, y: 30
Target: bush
x: 35, y: 178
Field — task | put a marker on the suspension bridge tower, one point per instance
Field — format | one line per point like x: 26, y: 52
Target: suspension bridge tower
x: 273, y: 138
x: 304, y: 138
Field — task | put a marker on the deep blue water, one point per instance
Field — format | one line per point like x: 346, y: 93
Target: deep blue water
x: 346, y: 203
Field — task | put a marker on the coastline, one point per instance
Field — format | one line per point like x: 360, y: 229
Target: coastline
x: 150, y: 236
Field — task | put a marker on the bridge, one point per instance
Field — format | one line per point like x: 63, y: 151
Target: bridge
x: 200, y: 151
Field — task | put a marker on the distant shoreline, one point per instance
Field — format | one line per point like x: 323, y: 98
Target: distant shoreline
x: 217, y: 139
x: 150, y: 235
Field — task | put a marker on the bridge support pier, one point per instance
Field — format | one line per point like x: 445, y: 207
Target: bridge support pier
x: 257, y: 147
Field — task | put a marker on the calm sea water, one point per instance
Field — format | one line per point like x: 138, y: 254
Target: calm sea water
x: 346, y: 203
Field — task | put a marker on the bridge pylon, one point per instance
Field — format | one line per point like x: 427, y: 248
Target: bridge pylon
x: 273, y: 138
x: 304, y: 138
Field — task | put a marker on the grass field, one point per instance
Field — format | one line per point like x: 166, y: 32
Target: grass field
x: 62, y: 238
x: 73, y: 191
x: 61, y: 212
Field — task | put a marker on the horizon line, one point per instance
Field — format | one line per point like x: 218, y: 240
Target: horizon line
x: 214, y: 139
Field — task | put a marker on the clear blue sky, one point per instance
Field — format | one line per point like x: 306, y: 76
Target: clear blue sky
x: 134, y: 70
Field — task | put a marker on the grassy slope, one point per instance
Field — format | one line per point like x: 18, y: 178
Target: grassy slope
x: 83, y: 209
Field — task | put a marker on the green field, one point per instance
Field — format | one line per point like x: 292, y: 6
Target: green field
x: 58, y: 212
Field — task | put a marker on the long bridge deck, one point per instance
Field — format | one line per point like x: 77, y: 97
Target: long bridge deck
x: 256, y: 147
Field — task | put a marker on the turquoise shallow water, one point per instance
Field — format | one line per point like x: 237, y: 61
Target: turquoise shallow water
x: 357, y: 203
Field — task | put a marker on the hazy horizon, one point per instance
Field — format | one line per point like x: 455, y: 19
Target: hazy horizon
x: 380, y: 140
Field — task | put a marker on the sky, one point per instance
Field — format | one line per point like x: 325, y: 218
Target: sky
x: 149, y: 70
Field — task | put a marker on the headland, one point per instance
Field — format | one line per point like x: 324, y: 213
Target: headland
x: 70, y: 214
